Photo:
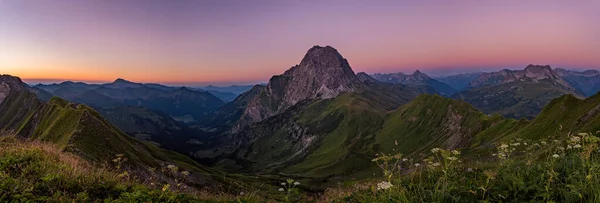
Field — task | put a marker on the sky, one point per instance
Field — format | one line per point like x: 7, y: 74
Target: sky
x: 245, y: 42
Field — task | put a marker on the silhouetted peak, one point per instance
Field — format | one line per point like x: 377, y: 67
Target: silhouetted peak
x: 538, y: 68
x: 121, y: 80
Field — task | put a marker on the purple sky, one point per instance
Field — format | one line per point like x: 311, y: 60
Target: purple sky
x: 237, y: 42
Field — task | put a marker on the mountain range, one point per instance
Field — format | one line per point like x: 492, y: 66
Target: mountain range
x: 318, y: 122
x: 181, y: 103
x: 416, y: 79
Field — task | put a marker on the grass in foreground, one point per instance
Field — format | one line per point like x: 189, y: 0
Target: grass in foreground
x: 32, y: 171
x: 566, y: 170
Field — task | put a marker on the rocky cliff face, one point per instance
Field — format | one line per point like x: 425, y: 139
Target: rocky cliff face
x: 8, y: 83
x: 533, y: 73
x: 323, y: 73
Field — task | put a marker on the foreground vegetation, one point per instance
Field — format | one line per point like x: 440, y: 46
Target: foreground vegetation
x: 32, y: 171
x: 562, y: 170
x: 558, y: 170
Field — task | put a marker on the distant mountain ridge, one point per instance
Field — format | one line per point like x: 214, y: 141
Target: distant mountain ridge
x: 459, y: 81
x: 587, y: 82
x: 182, y: 103
x: 533, y: 73
x: 416, y: 79
x: 518, y: 93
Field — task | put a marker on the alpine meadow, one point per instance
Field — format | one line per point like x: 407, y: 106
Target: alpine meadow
x: 232, y: 101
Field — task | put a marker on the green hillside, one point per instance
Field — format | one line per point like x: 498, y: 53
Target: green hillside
x: 82, y: 131
x: 33, y: 171
x: 521, y: 99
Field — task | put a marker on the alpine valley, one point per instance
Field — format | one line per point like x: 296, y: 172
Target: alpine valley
x: 318, y: 131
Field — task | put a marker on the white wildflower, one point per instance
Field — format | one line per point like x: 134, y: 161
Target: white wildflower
x: 435, y: 150
x: 436, y: 164
x: 503, y: 146
x: 455, y: 152
x: 469, y: 170
x: 452, y: 158
x: 405, y: 159
x: 577, y: 146
x: 569, y: 147
x: 281, y: 189
x: 575, y: 139
x: 417, y: 165
x: 543, y: 142
x: 555, y: 155
x: 283, y: 184
x: 296, y: 183
x: 384, y: 185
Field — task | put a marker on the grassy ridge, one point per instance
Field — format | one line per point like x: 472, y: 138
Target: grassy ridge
x: 33, y: 171
x: 81, y: 130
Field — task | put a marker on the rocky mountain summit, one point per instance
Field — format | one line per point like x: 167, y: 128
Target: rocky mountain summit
x: 534, y: 73
x: 323, y: 73
x: 8, y: 83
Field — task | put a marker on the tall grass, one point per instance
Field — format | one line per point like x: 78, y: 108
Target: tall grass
x: 564, y: 170
x: 33, y: 171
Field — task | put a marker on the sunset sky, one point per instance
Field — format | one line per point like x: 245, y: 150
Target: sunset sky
x: 243, y: 42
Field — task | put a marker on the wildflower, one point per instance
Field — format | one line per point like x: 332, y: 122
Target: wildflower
x: 543, y: 142
x: 503, y: 146
x: 577, y: 146
x: 452, y: 158
x: 555, y: 155
x: 242, y: 193
x: 435, y: 150
x: 405, y: 159
x: 185, y: 173
x: 384, y: 185
x: 583, y: 134
x: 281, y: 189
x: 494, y: 154
x: 283, y: 184
x: 556, y: 141
x: 469, y: 170
x: 525, y: 143
x: 172, y: 167
x: 436, y: 164
x: 569, y: 147
x: 575, y: 139
x: 417, y: 165
x: 455, y: 152
x: 396, y: 142
x: 561, y: 148
x: 515, y: 144
x: 296, y: 183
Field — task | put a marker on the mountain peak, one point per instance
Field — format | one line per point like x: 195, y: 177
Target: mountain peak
x: 326, y: 57
x: 9, y: 83
x: 538, y: 68
x: 420, y: 75
x: 121, y: 80
x: 530, y: 73
x: 323, y: 73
